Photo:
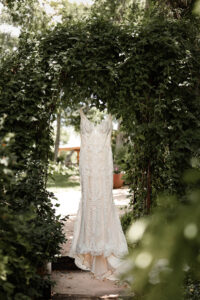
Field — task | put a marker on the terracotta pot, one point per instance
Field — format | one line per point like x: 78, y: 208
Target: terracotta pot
x: 117, y: 180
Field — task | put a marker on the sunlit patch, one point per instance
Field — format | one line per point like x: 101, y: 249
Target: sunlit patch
x: 162, y: 262
x: 4, y: 161
x: 85, y: 2
x: 186, y: 268
x: 160, y: 266
x: 10, y: 29
x: 143, y: 260
x: 7, y: 171
x: 190, y: 231
x: 154, y: 277
x: 114, y: 296
x: 136, y: 231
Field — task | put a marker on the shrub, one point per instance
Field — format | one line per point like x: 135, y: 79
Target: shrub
x: 166, y: 246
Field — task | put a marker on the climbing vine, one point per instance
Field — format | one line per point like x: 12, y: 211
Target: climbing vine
x: 159, y: 103
x: 145, y: 73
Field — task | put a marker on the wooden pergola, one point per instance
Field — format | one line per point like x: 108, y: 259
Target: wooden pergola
x: 77, y: 149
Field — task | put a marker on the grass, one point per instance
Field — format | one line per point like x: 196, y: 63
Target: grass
x: 59, y: 182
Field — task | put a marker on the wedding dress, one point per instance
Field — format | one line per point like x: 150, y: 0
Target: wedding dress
x: 98, y: 244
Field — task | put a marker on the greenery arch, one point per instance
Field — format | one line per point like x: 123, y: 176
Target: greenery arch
x: 143, y: 73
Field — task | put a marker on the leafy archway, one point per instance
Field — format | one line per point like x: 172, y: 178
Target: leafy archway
x: 146, y: 74
x: 31, y: 81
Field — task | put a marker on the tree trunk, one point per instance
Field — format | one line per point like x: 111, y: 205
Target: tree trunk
x: 57, y: 141
x: 148, y: 201
x: 147, y: 4
x: 119, y: 138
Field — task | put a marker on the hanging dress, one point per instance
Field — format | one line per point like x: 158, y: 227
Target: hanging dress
x: 99, y: 243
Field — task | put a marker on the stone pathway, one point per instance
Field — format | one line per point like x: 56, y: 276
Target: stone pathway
x: 79, y: 284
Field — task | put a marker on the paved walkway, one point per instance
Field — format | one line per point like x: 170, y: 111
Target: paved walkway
x: 80, y: 282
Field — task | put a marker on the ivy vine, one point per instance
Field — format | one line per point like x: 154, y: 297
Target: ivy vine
x: 147, y: 74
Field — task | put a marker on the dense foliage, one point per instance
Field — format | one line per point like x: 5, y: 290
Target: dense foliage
x: 159, y: 84
x: 166, y: 247
x: 144, y: 72
x: 152, y: 69
x: 26, y: 13
x: 31, y: 234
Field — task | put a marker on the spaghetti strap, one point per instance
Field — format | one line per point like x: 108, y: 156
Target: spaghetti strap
x: 81, y: 112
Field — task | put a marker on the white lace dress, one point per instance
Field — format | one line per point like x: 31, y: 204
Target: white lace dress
x: 98, y: 244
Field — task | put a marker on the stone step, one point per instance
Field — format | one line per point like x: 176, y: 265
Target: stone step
x: 64, y: 263
x: 79, y: 284
x: 87, y: 297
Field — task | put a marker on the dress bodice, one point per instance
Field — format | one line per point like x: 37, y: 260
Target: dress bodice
x: 93, y: 135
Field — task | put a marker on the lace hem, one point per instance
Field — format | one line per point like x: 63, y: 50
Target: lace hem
x: 101, y: 266
x: 105, y: 253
